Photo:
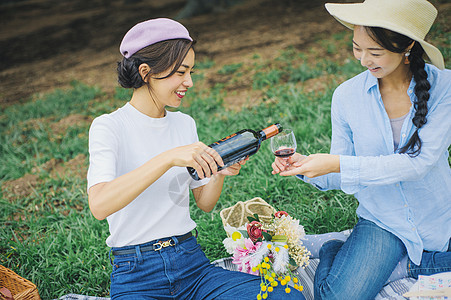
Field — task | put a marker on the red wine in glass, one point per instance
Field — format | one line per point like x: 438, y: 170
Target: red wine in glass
x: 284, y: 145
x: 284, y: 153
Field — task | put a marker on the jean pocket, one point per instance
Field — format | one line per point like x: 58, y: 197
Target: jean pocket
x: 189, y: 246
x: 123, y: 266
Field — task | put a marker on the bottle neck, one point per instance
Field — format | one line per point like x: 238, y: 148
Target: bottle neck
x: 270, y: 131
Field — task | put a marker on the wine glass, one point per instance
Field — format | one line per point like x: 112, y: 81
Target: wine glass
x: 283, y: 145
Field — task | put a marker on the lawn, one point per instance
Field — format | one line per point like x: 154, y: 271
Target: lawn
x: 48, y: 234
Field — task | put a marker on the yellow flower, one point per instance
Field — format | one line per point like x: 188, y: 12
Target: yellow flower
x: 273, y: 274
x: 266, y: 259
x: 287, y: 278
x: 236, y: 235
x: 270, y: 289
x: 264, y: 288
x: 269, y: 246
x: 265, y: 295
x: 285, y: 246
x: 277, y: 249
x: 283, y: 282
x: 287, y: 290
x: 259, y: 297
x: 295, y: 280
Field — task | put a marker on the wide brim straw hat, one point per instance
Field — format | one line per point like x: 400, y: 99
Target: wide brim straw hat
x: 412, y: 18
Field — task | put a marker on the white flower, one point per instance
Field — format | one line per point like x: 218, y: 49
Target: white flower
x: 281, y: 258
x: 289, y: 227
x: 258, y: 256
x: 235, y: 239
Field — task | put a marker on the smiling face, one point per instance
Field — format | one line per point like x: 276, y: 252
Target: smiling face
x: 379, y: 61
x: 170, y: 91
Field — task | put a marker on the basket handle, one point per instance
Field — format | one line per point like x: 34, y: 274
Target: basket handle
x: 241, y: 204
x: 6, y: 294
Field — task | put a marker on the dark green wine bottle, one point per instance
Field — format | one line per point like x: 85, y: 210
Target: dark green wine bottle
x: 238, y: 146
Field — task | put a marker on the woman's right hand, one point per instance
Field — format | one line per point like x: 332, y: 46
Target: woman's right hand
x: 198, y: 156
x: 283, y: 164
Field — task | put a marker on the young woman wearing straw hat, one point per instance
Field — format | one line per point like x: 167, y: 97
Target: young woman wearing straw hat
x: 137, y: 177
x: 391, y: 130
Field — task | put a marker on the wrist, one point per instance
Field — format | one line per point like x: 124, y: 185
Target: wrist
x: 336, y: 164
x: 218, y: 177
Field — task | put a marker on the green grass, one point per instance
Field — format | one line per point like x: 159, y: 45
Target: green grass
x: 49, y: 235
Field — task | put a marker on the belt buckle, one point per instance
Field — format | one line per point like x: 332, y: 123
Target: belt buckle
x: 163, y: 244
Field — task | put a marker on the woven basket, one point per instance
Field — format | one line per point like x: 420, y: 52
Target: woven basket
x: 237, y: 214
x: 20, y: 288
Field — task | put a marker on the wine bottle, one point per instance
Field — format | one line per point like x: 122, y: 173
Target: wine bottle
x: 238, y: 146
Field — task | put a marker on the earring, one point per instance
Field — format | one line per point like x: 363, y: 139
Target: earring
x: 407, y: 54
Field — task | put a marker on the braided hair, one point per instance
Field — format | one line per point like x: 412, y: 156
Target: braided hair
x: 398, y: 43
x: 160, y: 57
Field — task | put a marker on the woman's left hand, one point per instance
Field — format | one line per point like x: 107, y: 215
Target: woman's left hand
x: 233, y: 169
x: 314, y: 165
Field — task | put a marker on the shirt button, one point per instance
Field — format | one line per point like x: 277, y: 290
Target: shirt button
x: 410, y: 91
x: 397, y: 185
x: 413, y: 228
x: 403, y: 135
x: 405, y: 205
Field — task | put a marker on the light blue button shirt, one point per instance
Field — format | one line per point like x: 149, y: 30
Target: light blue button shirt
x: 408, y: 196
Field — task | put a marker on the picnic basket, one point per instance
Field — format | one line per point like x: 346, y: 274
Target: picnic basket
x: 20, y: 288
x: 237, y: 214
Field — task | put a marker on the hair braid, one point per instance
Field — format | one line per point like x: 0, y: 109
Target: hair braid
x: 422, y: 86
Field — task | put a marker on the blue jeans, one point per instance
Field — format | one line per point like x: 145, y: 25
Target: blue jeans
x: 182, y: 272
x: 359, y: 267
x: 431, y: 262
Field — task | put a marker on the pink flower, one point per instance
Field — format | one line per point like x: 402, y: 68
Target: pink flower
x: 242, y: 256
x: 280, y: 213
x: 254, y: 229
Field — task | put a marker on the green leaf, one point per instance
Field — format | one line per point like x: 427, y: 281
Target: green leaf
x: 279, y: 238
x: 251, y: 219
x: 244, y: 232
x: 256, y: 217
x: 267, y: 236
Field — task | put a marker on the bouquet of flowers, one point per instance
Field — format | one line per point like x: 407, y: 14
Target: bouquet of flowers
x: 270, y: 248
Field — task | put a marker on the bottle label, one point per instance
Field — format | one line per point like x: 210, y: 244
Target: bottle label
x: 224, y: 139
x: 271, y: 131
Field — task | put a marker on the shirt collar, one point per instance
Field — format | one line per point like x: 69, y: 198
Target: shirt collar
x: 370, y: 81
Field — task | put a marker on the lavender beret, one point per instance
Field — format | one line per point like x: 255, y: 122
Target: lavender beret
x: 150, y: 32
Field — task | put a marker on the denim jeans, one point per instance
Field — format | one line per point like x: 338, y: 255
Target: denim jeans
x: 358, y: 268
x: 182, y: 271
x: 431, y: 262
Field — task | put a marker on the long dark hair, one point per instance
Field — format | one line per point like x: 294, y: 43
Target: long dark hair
x: 399, y: 43
x: 159, y: 56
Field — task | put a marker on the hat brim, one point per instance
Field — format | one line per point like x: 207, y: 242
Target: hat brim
x: 351, y: 14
